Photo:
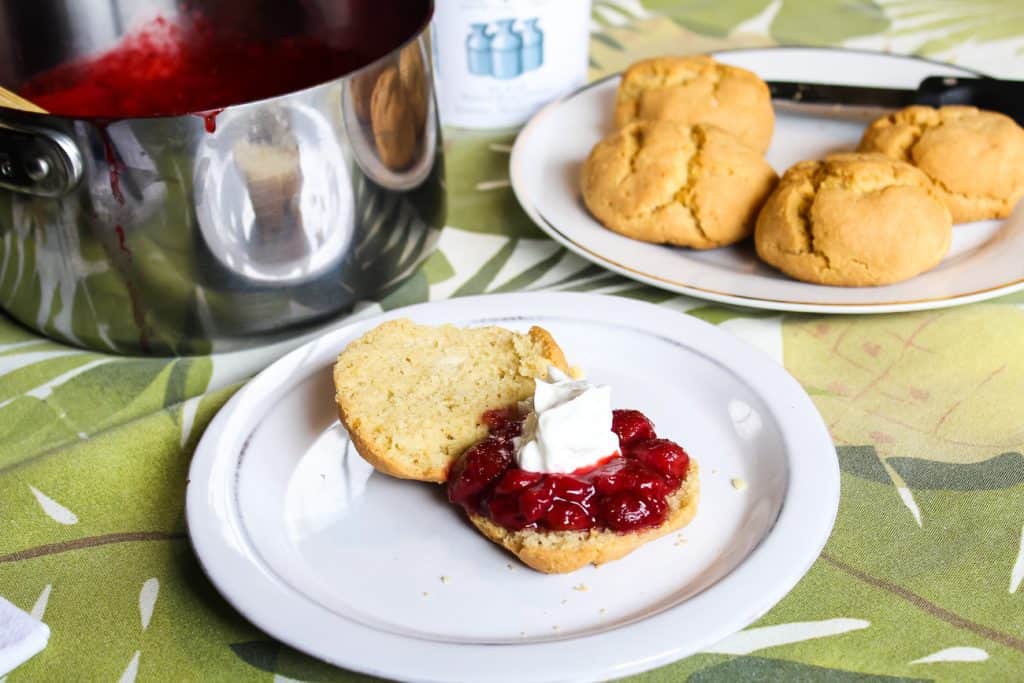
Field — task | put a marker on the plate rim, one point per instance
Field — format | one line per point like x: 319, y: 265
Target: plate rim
x: 516, y: 164
x: 813, y: 484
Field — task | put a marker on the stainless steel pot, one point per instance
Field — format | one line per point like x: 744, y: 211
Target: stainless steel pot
x: 190, y: 233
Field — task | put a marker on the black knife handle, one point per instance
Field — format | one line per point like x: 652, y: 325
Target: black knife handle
x: 984, y: 93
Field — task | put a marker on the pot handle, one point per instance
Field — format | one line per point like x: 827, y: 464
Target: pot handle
x: 38, y: 161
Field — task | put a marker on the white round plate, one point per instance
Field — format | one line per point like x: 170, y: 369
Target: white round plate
x: 983, y: 262
x: 386, y: 577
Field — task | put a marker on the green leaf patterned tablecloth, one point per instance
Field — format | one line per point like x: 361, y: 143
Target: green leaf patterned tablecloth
x: 921, y: 579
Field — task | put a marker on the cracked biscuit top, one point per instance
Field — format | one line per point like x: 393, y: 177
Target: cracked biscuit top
x: 975, y: 157
x: 853, y: 220
x: 669, y: 183
x: 697, y: 89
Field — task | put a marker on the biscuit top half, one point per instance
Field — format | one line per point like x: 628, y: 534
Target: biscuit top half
x: 412, y: 396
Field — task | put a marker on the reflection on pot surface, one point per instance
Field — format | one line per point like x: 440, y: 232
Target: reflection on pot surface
x: 184, y: 234
x: 273, y: 196
x: 386, y: 113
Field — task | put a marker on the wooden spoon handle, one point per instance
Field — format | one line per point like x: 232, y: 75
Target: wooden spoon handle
x: 16, y: 101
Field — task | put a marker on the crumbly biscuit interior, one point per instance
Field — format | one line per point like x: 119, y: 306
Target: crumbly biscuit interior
x: 415, y: 394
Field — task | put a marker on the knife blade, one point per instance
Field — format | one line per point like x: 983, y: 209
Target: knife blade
x: 859, y: 101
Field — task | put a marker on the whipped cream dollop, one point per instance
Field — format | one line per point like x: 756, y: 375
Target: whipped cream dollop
x: 569, y: 425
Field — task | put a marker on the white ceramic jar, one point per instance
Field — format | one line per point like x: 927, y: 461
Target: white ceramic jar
x: 498, y: 61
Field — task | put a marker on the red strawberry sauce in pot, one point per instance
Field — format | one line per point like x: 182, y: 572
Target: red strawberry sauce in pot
x: 193, y: 65
x: 625, y: 491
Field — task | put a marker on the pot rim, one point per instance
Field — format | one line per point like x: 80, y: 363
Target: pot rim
x: 420, y: 29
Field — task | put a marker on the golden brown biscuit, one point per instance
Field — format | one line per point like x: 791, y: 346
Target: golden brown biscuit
x: 669, y: 183
x: 697, y: 89
x: 975, y: 157
x: 853, y: 220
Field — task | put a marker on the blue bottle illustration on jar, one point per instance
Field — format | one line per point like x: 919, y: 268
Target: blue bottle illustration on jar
x: 500, y: 51
x: 506, y: 51
x: 478, y: 50
x: 533, y: 45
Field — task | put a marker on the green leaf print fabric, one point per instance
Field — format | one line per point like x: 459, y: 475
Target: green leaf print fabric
x: 921, y: 579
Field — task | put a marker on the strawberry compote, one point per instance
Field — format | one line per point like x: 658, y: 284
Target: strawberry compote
x: 625, y: 491
x: 199, y: 63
